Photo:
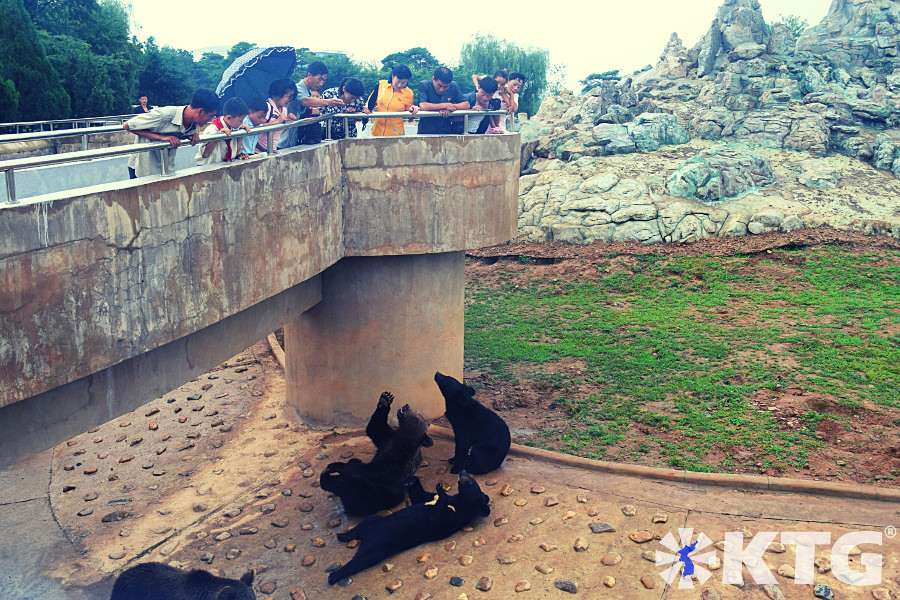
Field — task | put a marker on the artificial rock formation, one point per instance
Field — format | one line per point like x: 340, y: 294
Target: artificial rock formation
x: 833, y: 91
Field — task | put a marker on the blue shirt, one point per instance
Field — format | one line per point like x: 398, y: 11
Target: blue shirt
x: 248, y: 143
x: 427, y: 94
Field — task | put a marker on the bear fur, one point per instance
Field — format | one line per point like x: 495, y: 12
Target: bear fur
x: 429, y: 518
x: 155, y: 581
x: 482, y: 437
x: 366, y: 488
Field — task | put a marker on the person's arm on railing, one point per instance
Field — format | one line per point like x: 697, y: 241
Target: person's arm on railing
x: 173, y: 140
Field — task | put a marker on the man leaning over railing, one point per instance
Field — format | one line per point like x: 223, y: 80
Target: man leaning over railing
x: 443, y: 95
x: 169, y: 124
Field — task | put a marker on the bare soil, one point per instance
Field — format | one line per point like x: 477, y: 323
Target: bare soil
x: 852, y: 453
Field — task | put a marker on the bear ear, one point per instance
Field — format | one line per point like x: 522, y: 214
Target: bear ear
x: 247, y: 578
x: 470, y: 391
x: 427, y: 442
x: 227, y: 593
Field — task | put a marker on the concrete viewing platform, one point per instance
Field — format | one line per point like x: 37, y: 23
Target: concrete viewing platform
x: 217, y: 475
x: 115, y: 294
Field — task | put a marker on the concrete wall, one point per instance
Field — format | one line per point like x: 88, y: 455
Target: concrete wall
x: 98, y: 279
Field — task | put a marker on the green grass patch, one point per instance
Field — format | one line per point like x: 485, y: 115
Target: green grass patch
x: 699, y: 336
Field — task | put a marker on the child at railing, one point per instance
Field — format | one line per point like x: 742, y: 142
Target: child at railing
x: 255, y: 118
x: 480, y: 100
x: 235, y: 111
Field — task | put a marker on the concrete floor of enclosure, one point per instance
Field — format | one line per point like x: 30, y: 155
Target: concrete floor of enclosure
x: 214, y: 475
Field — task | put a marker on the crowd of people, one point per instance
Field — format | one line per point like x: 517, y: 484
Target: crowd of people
x: 288, y: 102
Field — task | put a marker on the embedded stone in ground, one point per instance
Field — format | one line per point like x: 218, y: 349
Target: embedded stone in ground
x: 629, y: 510
x: 647, y: 582
x: 611, y: 559
x: 506, y: 559
x: 308, y: 560
x: 457, y: 581
x: 545, y: 569
x: 431, y: 572
x: 567, y: 585
x: 660, y: 518
x: 523, y: 586
x: 641, y: 537
x: 548, y: 547
x: 551, y: 501
x: 601, y: 527
x: 609, y: 581
x: 506, y: 490
x: 581, y: 545
x: 466, y: 560
x: 538, y: 489
x: 484, y: 584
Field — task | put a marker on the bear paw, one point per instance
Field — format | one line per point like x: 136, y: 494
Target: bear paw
x: 386, y: 399
x: 457, y: 469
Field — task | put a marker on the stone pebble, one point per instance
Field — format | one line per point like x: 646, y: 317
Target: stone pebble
x: 648, y: 582
x: 629, y: 510
x: 581, y: 545
x: 280, y: 523
x: 641, y: 537
x: 270, y: 544
x: 609, y: 581
x: 660, y: 518
x: 823, y: 591
x: 126, y: 458
x: 551, y: 501
x: 431, y: 572
x: 601, y: 527
x: 484, y: 584
x: 611, y: 559
x: 423, y: 558
x: 545, y: 569
x: 548, y: 547
x: 268, y: 588
x: 308, y: 560
x: 318, y: 542
x: 232, y: 554
x: 457, y: 581
x: 570, y: 514
x: 567, y: 585
x: 117, y: 554
x: 538, y: 489
x: 521, y: 502
x: 506, y: 490
x: 523, y: 586
x: 500, y: 521
x: 466, y: 560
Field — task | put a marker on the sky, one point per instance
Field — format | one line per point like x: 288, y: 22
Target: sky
x: 586, y: 37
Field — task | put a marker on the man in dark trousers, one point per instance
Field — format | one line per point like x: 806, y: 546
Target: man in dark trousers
x: 441, y: 94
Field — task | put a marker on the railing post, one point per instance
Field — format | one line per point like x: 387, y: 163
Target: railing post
x: 465, y: 124
x: 164, y: 161
x: 269, y: 149
x: 347, y: 127
x: 328, y: 128
x: 10, y: 186
x: 84, y: 141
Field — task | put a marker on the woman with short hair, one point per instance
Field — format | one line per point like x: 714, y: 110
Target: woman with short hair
x: 351, y: 90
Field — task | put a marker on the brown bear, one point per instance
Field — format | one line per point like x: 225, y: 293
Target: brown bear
x: 366, y: 488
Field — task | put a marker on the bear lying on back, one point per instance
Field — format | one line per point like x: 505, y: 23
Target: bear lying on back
x: 482, y: 437
x: 365, y: 488
x: 156, y: 581
x: 429, y: 518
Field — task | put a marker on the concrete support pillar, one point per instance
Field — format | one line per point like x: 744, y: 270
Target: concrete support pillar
x: 384, y: 323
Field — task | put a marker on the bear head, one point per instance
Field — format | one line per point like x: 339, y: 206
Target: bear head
x: 471, y: 498
x: 413, y: 426
x: 454, y: 392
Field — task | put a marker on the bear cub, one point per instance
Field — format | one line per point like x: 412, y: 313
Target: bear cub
x: 153, y: 581
x: 429, y: 518
x: 366, y: 488
x: 482, y: 437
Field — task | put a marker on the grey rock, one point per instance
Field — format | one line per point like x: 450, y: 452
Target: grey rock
x: 567, y: 585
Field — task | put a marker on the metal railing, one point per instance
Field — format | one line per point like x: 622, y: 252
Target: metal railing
x: 82, y: 122
x: 9, y: 167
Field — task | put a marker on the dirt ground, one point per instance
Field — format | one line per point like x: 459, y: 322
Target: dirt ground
x: 856, y: 455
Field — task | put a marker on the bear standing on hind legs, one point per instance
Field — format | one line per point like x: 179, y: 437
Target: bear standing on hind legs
x: 366, y: 488
x: 482, y: 437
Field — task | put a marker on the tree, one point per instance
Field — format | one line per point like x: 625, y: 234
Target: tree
x: 594, y: 79
x: 9, y: 101
x: 484, y: 54
x: 23, y: 62
x: 167, y: 74
x: 796, y: 24
x: 238, y: 50
x: 209, y: 69
x: 339, y: 66
x: 556, y: 80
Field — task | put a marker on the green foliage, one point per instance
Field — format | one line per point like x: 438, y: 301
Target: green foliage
x: 24, y: 63
x: 484, y: 54
x: 209, y: 69
x: 167, y: 74
x: 688, y: 345
x: 594, y: 79
x: 237, y: 51
x: 796, y: 24
x: 9, y: 101
x: 419, y: 60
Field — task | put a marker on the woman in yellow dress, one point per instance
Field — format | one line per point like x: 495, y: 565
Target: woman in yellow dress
x: 391, y: 95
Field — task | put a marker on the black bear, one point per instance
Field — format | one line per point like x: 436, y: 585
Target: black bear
x: 366, y: 488
x: 156, y: 581
x: 429, y: 518
x: 482, y: 437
